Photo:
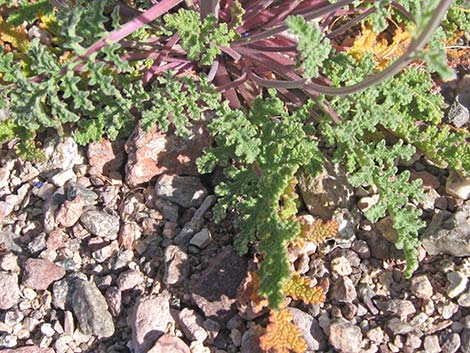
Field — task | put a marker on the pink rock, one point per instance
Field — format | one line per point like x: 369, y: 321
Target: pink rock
x: 105, y: 157
x: 28, y: 349
x: 130, y: 279
x: 170, y: 344
x: 153, y: 153
x: 70, y: 211
x: 40, y: 274
x: 5, y: 209
x: 128, y: 234
x: 55, y: 240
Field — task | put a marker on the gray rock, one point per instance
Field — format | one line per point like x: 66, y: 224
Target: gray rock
x: 449, y: 233
x: 149, y: 321
x: 11, y: 242
x: 344, y: 290
x: 458, y: 114
x: 101, y: 224
x: 215, y: 292
x: 464, y: 300
x: 345, y: 337
x: 311, y: 331
x: 168, y: 209
x: 60, y: 154
x: 457, y: 284
x: 201, y: 239
x: 74, y: 190
x: 324, y: 193
x: 451, y: 344
x: 9, y: 290
x: 91, y: 309
x: 398, y: 327
x: 62, y: 291
x: 176, y: 265
x: 421, y: 287
x: 186, y: 191
x: 465, y: 341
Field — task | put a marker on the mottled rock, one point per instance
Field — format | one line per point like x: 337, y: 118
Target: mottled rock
x: 397, y: 327
x: 114, y: 299
x: 170, y: 344
x: 9, y: 290
x: 69, y: 213
x: 186, y: 191
x: 451, y: 344
x: 457, y: 186
x: 76, y: 190
x: 215, y: 292
x: 176, y: 265
x: 59, y: 154
x: 345, y: 337
x: 129, y: 233
x: 344, y: 290
x: 457, y: 284
x: 421, y: 287
x: 341, y: 266
x: 449, y: 233
x: 149, y: 321
x: 153, y: 153
x: 105, y: 157
x: 11, y: 242
x: 101, y: 224
x: 192, y: 325
x: 129, y: 279
x: 327, y: 191
x: 91, y: 309
x: 459, y: 114
x: 201, y: 239
x: 40, y: 274
x: 311, y: 331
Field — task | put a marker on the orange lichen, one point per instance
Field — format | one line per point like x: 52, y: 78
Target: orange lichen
x: 248, y: 297
x: 281, y: 335
x: 16, y: 36
x: 300, y: 288
x: 381, y: 48
x: 316, y: 232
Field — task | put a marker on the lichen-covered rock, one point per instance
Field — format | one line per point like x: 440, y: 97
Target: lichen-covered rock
x: 322, y: 194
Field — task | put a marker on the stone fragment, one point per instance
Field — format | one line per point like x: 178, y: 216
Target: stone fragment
x: 431, y: 344
x: 186, y: 191
x: 201, y: 239
x: 153, y: 153
x: 59, y: 154
x: 55, y: 239
x: 114, y: 299
x: 341, y: 266
x: 176, y: 265
x: 344, y: 290
x: 345, y: 337
x: 130, y: 279
x: 457, y: 284
x: 91, y: 309
x: 465, y: 340
x: 421, y: 287
x: 428, y: 179
x: 323, y: 193
x: 457, y: 186
x: 311, y: 331
x: 451, y: 344
x: 105, y: 158
x: 129, y: 233
x: 168, y: 209
x: 170, y: 344
x: 9, y: 290
x: 215, y: 292
x: 101, y: 224
x: 149, y: 321
x: 11, y: 242
x: 464, y: 300
x: 39, y: 274
x: 459, y: 114
x: 449, y: 233
x: 28, y: 349
x: 9, y: 262
x: 62, y: 177
x: 69, y: 213
x: 192, y: 325
x: 398, y: 327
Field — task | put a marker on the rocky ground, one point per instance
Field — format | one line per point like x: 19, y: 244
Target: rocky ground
x: 113, y: 249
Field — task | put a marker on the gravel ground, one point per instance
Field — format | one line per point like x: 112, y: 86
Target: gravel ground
x: 113, y: 249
